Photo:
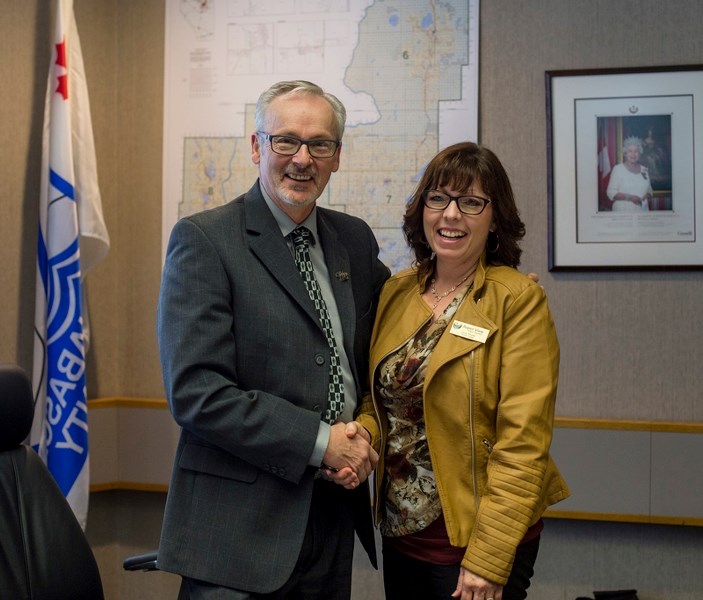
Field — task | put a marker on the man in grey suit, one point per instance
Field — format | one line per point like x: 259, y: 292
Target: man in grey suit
x: 268, y: 485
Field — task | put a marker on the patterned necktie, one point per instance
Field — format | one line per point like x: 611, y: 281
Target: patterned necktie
x: 301, y: 239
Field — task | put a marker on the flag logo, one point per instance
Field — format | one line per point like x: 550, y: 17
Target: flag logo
x: 72, y: 239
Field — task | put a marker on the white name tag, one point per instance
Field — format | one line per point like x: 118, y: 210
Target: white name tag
x: 470, y: 332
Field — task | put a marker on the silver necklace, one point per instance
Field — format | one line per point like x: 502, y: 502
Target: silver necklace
x: 439, y: 297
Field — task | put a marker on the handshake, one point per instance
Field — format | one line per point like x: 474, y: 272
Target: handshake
x: 349, y: 458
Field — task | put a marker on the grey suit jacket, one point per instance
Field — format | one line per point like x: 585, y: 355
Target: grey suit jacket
x: 245, y: 368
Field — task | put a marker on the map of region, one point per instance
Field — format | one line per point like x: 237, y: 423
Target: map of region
x: 405, y: 70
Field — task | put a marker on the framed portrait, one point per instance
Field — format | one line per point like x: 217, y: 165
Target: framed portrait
x: 625, y: 168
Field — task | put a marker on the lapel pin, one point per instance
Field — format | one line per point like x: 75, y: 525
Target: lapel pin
x: 342, y: 275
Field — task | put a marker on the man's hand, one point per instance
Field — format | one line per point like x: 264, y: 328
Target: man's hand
x: 349, y: 452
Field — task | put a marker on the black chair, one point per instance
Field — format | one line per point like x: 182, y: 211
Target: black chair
x: 43, y: 550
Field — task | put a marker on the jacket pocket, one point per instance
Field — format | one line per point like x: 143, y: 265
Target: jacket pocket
x: 212, y: 461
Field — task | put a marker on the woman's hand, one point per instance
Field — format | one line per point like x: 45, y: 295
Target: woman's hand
x: 635, y: 199
x: 346, y: 477
x: 627, y: 197
x: 472, y: 587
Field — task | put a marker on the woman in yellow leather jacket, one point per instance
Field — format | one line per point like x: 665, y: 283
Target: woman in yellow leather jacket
x: 464, y: 368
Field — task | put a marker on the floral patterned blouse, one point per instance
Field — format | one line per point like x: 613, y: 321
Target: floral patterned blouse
x: 411, y: 499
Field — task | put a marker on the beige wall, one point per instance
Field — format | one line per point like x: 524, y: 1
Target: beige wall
x: 613, y: 364
x: 630, y: 341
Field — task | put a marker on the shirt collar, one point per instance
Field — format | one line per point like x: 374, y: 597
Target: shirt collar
x: 285, y: 223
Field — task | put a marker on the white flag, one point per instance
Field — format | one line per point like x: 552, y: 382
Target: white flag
x: 72, y: 240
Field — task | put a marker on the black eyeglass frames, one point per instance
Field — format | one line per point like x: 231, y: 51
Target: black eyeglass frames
x: 288, y: 145
x: 469, y: 205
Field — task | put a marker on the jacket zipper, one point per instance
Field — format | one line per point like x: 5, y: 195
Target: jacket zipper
x: 474, y: 477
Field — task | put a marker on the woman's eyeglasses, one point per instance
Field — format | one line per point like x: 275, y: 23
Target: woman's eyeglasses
x: 469, y: 205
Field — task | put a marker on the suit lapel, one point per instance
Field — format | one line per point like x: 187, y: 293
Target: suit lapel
x: 453, y: 344
x: 270, y: 247
x: 339, y: 267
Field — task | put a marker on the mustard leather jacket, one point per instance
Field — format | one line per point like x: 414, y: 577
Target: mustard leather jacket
x: 489, y: 409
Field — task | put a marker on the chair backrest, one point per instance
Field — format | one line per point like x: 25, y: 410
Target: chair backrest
x: 16, y: 406
x: 43, y: 550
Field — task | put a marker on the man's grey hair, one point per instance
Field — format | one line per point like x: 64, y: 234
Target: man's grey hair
x: 299, y: 87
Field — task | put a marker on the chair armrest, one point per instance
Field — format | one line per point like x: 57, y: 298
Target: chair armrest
x: 141, y: 562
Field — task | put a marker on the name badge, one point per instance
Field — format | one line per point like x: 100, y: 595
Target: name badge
x: 470, y: 332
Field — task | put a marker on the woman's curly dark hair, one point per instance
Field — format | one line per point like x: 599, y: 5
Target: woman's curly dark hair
x: 458, y: 167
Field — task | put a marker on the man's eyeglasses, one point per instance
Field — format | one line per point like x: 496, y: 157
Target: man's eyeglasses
x: 288, y: 145
x: 469, y: 205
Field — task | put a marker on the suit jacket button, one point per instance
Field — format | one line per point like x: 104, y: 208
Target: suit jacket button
x: 319, y: 359
x: 317, y: 408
